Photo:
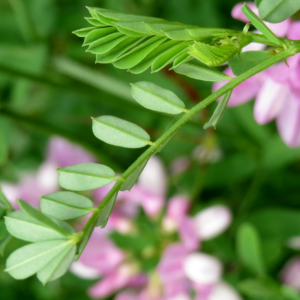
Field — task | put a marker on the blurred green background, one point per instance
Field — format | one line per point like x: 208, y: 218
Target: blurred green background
x: 50, y: 86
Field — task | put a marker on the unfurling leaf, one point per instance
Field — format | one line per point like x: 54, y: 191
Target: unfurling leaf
x: 131, y: 180
x: 156, y: 98
x: 41, y: 218
x: 106, y: 211
x: 29, y: 259
x: 219, y: 112
x: 118, y: 132
x: 249, y: 249
x: 276, y: 11
x: 66, y: 205
x: 198, y: 72
x: 23, y: 227
x: 86, y: 176
x: 246, y: 61
x: 58, y: 266
x: 260, y: 25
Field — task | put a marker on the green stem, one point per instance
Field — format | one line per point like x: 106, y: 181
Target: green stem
x: 156, y: 146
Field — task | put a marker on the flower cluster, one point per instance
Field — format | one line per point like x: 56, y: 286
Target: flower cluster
x: 277, y: 89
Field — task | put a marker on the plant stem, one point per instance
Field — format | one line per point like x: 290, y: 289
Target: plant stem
x: 160, y: 143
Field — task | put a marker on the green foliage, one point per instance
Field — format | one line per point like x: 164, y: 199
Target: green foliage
x: 106, y: 211
x: 276, y: 11
x: 219, y: 112
x: 23, y: 227
x: 257, y: 22
x: 30, y: 259
x: 257, y: 2
x: 200, y: 72
x: 86, y: 176
x: 249, y: 249
x: 66, y: 205
x: 289, y: 293
x: 118, y: 132
x: 247, y: 60
x: 157, y: 98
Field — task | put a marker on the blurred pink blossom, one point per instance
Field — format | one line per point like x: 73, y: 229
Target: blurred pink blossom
x: 291, y: 273
x: 277, y: 90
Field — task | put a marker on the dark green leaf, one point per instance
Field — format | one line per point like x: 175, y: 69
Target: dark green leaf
x: 4, y: 243
x: 3, y: 148
x: 29, y: 259
x: 135, y: 56
x: 66, y: 205
x: 198, y: 72
x: 23, y: 227
x: 246, y: 61
x: 276, y: 11
x: 3, y: 231
x: 219, y: 112
x: 249, y: 249
x: 133, y: 177
x: 84, y: 177
x: 260, y: 25
x: 106, y: 211
x: 58, y: 266
x: 118, y: 132
x: 156, y: 98
x: 40, y: 217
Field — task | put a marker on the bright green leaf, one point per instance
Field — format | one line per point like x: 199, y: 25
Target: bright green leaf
x: 219, y: 112
x: 66, y: 205
x: 257, y: 2
x: 29, y: 259
x: 84, y: 31
x: 118, y: 132
x: 97, y: 34
x: 151, y: 57
x: 107, y: 43
x: 106, y: 211
x: 180, y: 34
x: 138, y: 27
x: 169, y: 56
x: 118, y: 50
x: 95, y: 13
x: 23, y: 227
x: 133, y: 177
x: 58, y: 266
x: 198, y: 72
x: 86, y: 176
x: 249, y: 249
x: 183, y: 58
x: 95, y: 22
x: 289, y: 293
x: 135, y: 56
x: 156, y: 98
x: 276, y: 11
x: 246, y: 61
x: 260, y: 25
x: 40, y: 217
x: 159, y: 28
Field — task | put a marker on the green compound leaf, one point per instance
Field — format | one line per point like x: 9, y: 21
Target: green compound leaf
x: 183, y: 58
x: 260, y: 25
x: 156, y: 98
x: 97, y: 34
x: 246, y: 61
x: 135, y: 56
x: 160, y: 28
x: 219, y: 112
x: 137, y: 27
x: 66, y: 205
x: 106, y: 211
x: 86, y: 176
x: 169, y: 56
x: 41, y: 218
x: 118, y: 132
x: 23, y: 227
x: 58, y: 266
x: 133, y: 177
x: 151, y: 57
x: 95, y: 22
x: 198, y: 72
x: 29, y: 259
x: 207, y: 32
x: 276, y: 11
x: 112, y: 55
x: 84, y: 31
x: 107, y: 43
x: 180, y: 35
x: 249, y: 249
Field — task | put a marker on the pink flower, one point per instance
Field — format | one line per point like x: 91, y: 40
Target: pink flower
x: 277, y: 90
x: 291, y: 273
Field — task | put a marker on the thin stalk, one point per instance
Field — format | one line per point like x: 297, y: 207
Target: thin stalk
x: 156, y: 146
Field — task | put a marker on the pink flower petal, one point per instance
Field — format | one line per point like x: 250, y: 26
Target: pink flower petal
x: 291, y: 273
x: 237, y: 13
x: 188, y: 234
x: 288, y: 122
x: 294, y: 31
x: 270, y: 101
